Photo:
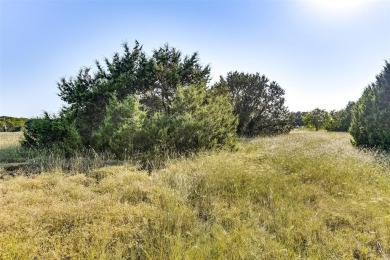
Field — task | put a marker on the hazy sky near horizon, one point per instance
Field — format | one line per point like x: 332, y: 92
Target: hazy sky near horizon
x: 323, y: 53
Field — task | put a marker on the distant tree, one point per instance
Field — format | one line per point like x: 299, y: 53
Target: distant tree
x: 370, y: 125
x: 297, y: 118
x: 13, y: 124
x: 258, y: 102
x: 341, y: 119
x: 317, y: 118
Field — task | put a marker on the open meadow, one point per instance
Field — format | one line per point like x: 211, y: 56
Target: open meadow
x: 301, y: 195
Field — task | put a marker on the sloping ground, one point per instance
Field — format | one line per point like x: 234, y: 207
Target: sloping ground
x: 303, y: 195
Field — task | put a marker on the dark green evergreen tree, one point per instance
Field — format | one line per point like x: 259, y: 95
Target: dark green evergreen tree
x: 258, y: 102
x: 370, y: 125
x: 87, y: 94
x: 154, y: 80
x: 171, y: 70
x: 140, y: 107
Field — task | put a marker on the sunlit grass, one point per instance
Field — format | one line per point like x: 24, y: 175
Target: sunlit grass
x: 9, y: 147
x: 302, y: 195
x: 15, y: 160
x: 10, y: 139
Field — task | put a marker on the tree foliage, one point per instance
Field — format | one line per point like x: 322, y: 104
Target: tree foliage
x: 153, y: 79
x: 52, y: 132
x: 88, y: 94
x: 170, y: 71
x: 297, y: 118
x: 121, y: 126
x: 199, y: 120
x: 136, y: 106
x: 370, y: 125
x: 341, y: 119
x: 317, y: 118
x: 258, y: 102
x: 151, y: 107
x: 202, y: 119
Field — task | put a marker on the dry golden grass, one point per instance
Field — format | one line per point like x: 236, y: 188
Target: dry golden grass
x: 10, y: 139
x: 302, y: 195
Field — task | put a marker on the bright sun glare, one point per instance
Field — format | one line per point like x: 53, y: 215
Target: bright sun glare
x: 339, y: 6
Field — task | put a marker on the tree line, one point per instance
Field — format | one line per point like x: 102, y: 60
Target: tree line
x: 154, y: 107
x: 138, y: 106
x: 335, y: 120
x: 12, y: 124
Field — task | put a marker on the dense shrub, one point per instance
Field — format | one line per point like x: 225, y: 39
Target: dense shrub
x: 52, y: 132
x: 127, y: 108
x: 199, y: 119
x: 202, y: 119
x: 122, y: 123
x: 370, y: 125
x: 154, y: 80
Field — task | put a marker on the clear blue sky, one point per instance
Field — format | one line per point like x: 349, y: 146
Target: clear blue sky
x: 323, y: 55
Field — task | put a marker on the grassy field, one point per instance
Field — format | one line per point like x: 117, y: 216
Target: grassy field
x: 302, y: 195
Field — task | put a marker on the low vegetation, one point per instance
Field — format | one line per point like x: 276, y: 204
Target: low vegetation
x: 300, y: 195
x: 15, y: 160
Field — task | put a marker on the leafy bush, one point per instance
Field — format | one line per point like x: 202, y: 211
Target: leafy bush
x: 202, y: 119
x: 199, y: 119
x: 370, y: 125
x: 121, y: 125
x: 52, y: 132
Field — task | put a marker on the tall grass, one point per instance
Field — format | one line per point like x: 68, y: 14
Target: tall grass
x: 9, y: 146
x: 16, y: 160
x: 302, y: 195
